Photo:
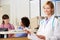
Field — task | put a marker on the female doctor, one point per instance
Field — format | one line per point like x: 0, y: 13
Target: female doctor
x: 49, y: 27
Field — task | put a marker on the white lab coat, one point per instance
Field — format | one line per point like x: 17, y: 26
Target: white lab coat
x: 51, y: 30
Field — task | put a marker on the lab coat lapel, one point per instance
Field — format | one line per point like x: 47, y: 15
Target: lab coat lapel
x: 48, y: 28
x: 49, y: 24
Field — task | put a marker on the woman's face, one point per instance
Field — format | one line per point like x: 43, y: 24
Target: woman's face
x: 47, y: 10
x: 6, y: 20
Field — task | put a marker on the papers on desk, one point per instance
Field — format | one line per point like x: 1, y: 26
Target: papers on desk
x: 12, y: 32
x: 18, y: 30
x: 33, y: 37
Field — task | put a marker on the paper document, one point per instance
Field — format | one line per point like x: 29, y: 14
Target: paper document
x: 33, y: 37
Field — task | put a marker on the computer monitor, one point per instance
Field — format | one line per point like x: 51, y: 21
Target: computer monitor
x: 3, y: 29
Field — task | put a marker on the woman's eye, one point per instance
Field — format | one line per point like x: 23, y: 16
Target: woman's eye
x: 46, y: 8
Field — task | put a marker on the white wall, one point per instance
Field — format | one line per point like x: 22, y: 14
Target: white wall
x: 35, y: 9
x: 4, y: 2
x: 19, y: 8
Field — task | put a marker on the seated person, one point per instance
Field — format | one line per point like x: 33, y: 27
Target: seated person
x: 6, y: 24
x: 25, y: 22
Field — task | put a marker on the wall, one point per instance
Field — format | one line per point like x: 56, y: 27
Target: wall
x: 19, y: 8
x: 34, y: 8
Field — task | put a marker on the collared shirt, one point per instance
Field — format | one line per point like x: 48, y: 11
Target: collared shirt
x: 21, y: 34
x: 9, y: 26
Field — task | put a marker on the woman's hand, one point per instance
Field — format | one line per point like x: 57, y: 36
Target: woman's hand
x: 27, y: 31
x: 41, y: 37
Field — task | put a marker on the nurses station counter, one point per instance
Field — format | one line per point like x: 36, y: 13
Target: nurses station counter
x: 23, y: 38
x: 12, y: 32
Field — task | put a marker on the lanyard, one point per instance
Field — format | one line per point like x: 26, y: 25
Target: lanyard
x: 53, y: 23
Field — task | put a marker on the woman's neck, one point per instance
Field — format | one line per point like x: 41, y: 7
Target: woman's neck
x: 48, y: 16
x: 6, y: 23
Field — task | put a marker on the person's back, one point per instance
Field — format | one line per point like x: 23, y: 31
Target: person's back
x: 25, y: 22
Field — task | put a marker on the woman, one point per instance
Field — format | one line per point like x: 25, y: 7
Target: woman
x: 49, y: 27
x: 6, y: 24
x: 25, y: 22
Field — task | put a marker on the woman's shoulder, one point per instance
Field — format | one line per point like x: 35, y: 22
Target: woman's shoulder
x: 12, y: 26
x: 1, y: 25
x: 41, y: 21
x: 56, y: 20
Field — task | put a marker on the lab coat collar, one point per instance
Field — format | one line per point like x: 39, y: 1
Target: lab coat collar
x: 50, y: 17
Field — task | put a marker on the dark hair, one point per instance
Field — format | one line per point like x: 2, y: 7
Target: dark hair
x: 25, y: 21
x: 5, y: 16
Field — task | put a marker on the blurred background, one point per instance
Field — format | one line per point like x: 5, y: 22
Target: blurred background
x: 29, y: 8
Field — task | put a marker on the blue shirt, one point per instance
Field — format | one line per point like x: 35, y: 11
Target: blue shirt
x: 21, y: 34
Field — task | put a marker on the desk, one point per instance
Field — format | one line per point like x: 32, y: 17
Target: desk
x: 11, y: 32
x: 23, y: 38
